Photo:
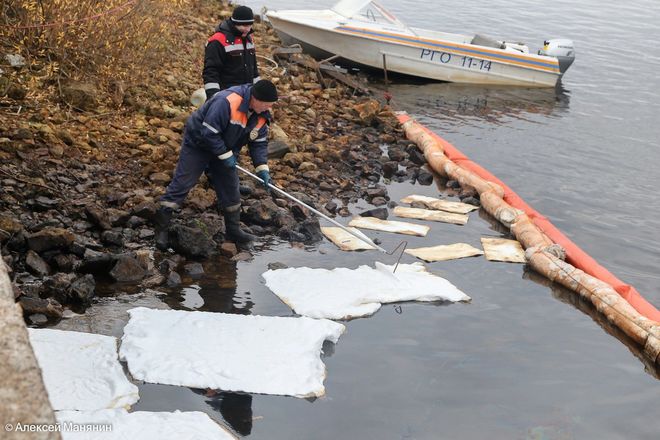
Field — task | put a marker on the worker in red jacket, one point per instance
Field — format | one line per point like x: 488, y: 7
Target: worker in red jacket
x: 230, y: 58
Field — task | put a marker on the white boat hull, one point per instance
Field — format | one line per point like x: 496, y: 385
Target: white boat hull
x: 423, y: 57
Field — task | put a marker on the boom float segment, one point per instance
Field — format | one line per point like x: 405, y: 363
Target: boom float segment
x: 620, y: 303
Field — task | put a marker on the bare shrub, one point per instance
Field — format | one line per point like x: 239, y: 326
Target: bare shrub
x: 107, y: 41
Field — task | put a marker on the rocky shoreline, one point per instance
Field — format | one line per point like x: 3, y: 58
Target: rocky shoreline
x: 80, y: 179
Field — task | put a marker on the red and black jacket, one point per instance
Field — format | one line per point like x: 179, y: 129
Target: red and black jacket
x: 229, y: 59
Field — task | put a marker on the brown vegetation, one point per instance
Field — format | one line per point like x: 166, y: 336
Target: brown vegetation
x: 90, y: 138
x: 109, y: 42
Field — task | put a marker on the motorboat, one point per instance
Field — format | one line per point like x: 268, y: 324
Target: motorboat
x: 364, y: 33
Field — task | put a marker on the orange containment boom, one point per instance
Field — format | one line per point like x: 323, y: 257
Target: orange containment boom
x: 548, y: 250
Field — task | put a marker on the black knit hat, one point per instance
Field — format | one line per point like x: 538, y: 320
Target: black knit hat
x: 265, y: 91
x: 242, y: 15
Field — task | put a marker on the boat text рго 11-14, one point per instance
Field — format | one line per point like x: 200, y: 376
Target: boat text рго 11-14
x: 446, y: 58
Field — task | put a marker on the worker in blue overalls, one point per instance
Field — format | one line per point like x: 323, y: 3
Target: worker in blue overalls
x: 213, y: 138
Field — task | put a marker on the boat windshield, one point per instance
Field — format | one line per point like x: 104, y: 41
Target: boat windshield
x: 367, y: 11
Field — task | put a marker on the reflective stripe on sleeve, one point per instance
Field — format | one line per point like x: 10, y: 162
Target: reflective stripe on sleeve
x: 262, y: 168
x: 213, y: 129
x: 211, y: 86
x: 226, y: 155
x: 239, y: 123
x: 233, y: 47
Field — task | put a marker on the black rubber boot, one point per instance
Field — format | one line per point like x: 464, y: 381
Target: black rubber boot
x: 233, y: 230
x: 162, y: 222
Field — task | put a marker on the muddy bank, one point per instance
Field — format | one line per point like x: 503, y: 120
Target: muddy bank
x: 82, y: 170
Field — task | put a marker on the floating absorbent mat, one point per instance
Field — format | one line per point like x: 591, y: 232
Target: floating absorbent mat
x: 445, y: 252
x: 442, y: 205
x: 343, y: 293
x: 143, y: 425
x: 389, y: 226
x: 344, y: 240
x: 426, y: 214
x: 81, y: 370
x: 254, y: 354
x: 500, y: 249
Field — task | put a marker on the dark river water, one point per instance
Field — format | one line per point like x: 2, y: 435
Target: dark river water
x: 524, y: 359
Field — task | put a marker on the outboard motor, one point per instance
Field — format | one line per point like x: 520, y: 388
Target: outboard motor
x: 562, y: 49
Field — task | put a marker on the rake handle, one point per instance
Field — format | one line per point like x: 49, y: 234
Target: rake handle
x: 320, y: 214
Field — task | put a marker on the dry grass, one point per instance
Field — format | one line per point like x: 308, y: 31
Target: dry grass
x: 101, y: 40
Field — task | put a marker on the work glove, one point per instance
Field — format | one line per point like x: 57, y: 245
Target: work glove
x: 228, y: 160
x: 264, y: 175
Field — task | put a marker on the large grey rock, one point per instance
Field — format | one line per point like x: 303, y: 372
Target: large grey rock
x: 65, y: 262
x: 311, y: 229
x: 50, y: 238
x: 127, y: 269
x: 58, y: 286
x: 194, y: 269
x: 331, y: 207
x: 80, y: 95
x: 173, y: 279
x: 43, y: 203
x: 415, y: 155
x: 48, y: 306
x: 379, y: 191
x: 9, y: 226
x: 98, y: 263
x: 424, y: 177
x: 277, y: 149
x: 83, y: 288
x: 389, y: 168
x: 263, y: 213
x: 36, y: 264
x: 118, y: 217
x: 109, y: 315
x: 289, y: 234
x: 380, y: 213
x: 15, y: 59
x: 396, y: 154
x: 145, y: 210
x: 112, y: 238
x: 191, y: 242
x: 98, y: 216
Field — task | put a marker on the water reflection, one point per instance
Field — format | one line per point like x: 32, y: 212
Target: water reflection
x: 216, y: 291
x: 235, y: 408
x: 495, y: 225
x: 213, y: 291
x: 495, y: 104
x: 569, y: 297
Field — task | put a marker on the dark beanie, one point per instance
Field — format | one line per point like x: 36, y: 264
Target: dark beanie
x: 242, y: 15
x: 265, y: 91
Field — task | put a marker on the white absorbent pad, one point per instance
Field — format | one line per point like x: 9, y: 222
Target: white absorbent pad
x: 81, y: 370
x: 343, y: 293
x: 254, y: 354
x: 445, y: 252
x: 389, y: 226
x: 118, y: 424
x: 501, y: 249
x: 427, y: 214
x: 442, y: 205
x: 344, y: 240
